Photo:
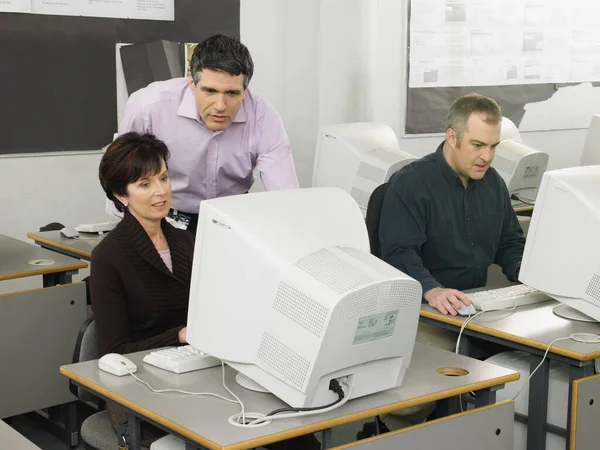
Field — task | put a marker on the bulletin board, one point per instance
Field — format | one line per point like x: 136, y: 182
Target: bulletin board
x: 57, y: 76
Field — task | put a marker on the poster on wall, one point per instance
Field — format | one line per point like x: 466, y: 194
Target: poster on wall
x: 19, y: 6
x: 500, y: 43
x: 118, y: 9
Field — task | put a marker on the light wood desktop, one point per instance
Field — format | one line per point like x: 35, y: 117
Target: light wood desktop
x: 202, y: 421
x: 11, y: 439
x: 16, y: 262
x: 76, y: 247
x: 530, y: 328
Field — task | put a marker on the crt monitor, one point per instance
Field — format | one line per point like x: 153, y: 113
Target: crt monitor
x: 591, y: 149
x: 357, y: 157
x: 562, y: 252
x: 508, y: 130
x: 284, y: 290
x: 521, y: 167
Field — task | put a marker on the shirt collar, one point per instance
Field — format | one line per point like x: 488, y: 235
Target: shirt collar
x: 187, y: 108
x: 448, y: 172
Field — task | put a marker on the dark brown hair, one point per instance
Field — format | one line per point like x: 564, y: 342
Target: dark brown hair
x: 127, y: 159
x: 464, y: 106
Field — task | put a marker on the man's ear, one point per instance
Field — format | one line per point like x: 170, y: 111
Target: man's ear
x: 451, y: 137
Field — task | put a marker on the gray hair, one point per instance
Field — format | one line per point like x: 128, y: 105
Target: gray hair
x: 463, y: 107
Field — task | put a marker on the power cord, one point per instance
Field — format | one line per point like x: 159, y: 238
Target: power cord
x: 308, y: 413
x: 242, y: 415
x: 334, y: 386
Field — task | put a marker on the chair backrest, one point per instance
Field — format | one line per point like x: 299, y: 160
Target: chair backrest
x: 86, y: 348
x: 374, y: 217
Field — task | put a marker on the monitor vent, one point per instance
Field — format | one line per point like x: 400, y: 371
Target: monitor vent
x: 371, y: 173
x: 361, y: 197
x: 372, y: 261
x: 593, y: 289
x: 381, y: 297
x: 333, y: 271
x: 283, y: 359
x: 300, y: 308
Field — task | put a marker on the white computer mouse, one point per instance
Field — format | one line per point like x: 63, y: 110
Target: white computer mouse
x: 466, y: 310
x: 116, y: 364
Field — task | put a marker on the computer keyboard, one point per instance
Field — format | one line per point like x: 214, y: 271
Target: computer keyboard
x: 99, y: 227
x: 507, y: 297
x: 181, y: 359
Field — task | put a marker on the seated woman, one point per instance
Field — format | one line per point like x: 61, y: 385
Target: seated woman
x: 140, y: 272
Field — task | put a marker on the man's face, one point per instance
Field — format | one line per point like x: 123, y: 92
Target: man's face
x: 218, y: 97
x: 472, y: 157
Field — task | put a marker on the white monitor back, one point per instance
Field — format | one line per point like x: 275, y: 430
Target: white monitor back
x: 282, y: 286
x: 562, y: 252
x: 591, y: 149
x: 357, y: 158
x: 521, y: 168
x: 508, y: 130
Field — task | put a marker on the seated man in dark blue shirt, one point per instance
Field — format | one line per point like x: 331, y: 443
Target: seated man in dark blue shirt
x: 448, y: 216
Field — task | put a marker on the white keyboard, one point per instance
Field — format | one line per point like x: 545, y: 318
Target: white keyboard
x: 181, y: 359
x: 507, y: 297
x: 100, y: 227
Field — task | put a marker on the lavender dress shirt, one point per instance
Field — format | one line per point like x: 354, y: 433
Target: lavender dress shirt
x: 207, y: 164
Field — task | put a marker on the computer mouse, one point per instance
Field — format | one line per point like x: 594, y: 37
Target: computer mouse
x: 69, y: 232
x: 466, y: 310
x: 116, y: 364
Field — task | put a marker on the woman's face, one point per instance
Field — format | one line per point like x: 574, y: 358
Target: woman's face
x: 149, y: 198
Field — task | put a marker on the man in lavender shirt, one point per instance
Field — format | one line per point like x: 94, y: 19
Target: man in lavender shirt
x: 217, y: 131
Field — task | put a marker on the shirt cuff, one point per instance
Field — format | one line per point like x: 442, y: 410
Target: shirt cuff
x: 429, y: 283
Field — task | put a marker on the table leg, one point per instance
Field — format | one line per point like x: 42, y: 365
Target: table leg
x: 538, y: 405
x: 133, y: 431
x: 54, y: 279
x: 575, y: 373
x: 485, y: 397
x: 326, y: 439
x: 446, y: 407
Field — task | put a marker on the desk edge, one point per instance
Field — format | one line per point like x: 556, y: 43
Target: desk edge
x: 294, y: 432
x: 56, y: 244
x: 511, y: 337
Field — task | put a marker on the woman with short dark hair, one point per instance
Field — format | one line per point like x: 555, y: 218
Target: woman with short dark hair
x: 140, y: 272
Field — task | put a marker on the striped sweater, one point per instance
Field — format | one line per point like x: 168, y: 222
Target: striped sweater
x: 137, y: 302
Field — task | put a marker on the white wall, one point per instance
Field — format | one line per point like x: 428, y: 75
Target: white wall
x: 317, y: 61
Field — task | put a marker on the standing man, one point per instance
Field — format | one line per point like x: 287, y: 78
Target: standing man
x: 216, y: 130
x: 448, y: 216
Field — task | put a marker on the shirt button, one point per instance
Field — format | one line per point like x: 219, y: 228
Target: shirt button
x: 468, y: 218
x: 472, y: 244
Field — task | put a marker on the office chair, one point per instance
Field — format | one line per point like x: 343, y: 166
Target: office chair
x: 373, y: 217
x: 96, y: 430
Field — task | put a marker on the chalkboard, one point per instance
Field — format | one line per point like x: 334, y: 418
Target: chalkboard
x: 58, y: 73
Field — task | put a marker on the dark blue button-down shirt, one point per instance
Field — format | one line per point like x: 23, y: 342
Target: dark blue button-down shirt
x: 445, y: 235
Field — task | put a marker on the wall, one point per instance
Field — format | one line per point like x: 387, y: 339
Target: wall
x: 317, y: 61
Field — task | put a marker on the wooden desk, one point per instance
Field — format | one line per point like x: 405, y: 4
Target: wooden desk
x: 15, y: 256
x: 77, y: 248
x: 12, y: 440
x: 530, y: 328
x: 202, y: 421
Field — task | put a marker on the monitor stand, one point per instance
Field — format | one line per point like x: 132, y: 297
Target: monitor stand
x: 566, y: 312
x: 249, y: 383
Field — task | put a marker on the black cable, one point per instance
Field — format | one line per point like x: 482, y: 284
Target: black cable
x: 519, y: 199
x: 334, y: 386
